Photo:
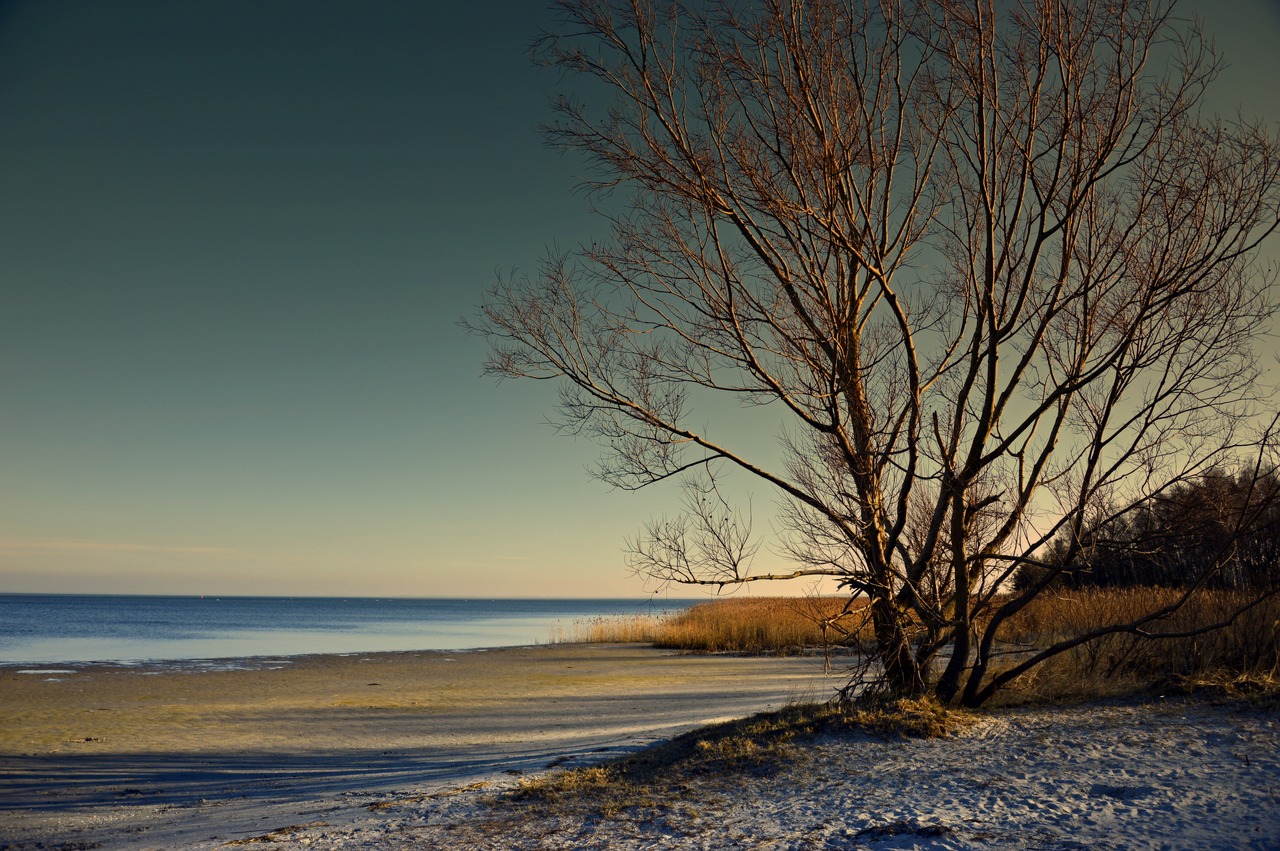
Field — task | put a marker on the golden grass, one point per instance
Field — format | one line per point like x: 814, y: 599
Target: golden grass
x: 1121, y: 663
x: 619, y: 629
x: 737, y: 625
x: 1248, y: 649
x: 1250, y: 643
x: 922, y: 718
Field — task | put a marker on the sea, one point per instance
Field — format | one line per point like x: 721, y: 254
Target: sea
x: 79, y: 628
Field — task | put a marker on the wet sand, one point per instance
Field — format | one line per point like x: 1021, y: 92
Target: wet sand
x: 194, y: 756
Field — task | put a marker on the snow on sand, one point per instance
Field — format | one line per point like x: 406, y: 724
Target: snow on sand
x: 1173, y: 774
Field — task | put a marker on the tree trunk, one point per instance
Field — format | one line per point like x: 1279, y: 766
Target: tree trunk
x: 902, y: 674
x: 949, y: 682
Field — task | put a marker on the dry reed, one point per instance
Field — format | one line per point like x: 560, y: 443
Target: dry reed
x: 1248, y: 647
x: 741, y: 625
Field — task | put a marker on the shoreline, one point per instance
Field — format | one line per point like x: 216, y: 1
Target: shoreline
x: 49, y: 630
x: 154, y: 754
x: 252, y: 662
x: 413, y: 750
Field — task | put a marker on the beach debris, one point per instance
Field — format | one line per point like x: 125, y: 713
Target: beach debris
x: 279, y: 834
x: 133, y: 792
x: 903, y: 828
x: 377, y: 806
x: 1123, y: 793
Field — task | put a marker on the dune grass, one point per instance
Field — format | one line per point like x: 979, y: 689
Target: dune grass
x: 757, y: 746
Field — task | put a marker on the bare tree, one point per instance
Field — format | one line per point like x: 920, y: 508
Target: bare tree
x: 986, y: 265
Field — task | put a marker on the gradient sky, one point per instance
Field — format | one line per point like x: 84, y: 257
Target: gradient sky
x: 235, y: 241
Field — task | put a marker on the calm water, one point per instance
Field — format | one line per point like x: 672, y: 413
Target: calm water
x: 64, y: 628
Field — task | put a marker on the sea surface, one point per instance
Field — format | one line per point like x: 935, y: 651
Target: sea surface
x: 68, y: 628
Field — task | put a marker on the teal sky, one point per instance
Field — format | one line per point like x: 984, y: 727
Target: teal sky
x: 235, y: 241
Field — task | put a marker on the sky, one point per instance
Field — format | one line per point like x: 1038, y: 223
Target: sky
x: 236, y: 239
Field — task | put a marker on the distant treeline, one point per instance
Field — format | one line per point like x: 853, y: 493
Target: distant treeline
x: 1221, y: 531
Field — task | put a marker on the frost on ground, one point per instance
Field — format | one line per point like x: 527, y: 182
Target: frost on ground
x: 1170, y: 774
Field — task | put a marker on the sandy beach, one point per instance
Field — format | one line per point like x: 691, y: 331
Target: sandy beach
x: 414, y: 750
x: 195, y: 755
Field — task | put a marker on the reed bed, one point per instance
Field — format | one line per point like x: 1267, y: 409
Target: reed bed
x: 763, y: 625
x: 618, y: 629
x: 1248, y: 648
x: 741, y: 625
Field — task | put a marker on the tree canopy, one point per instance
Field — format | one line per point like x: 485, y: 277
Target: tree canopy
x: 992, y: 264
x: 1219, y: 531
